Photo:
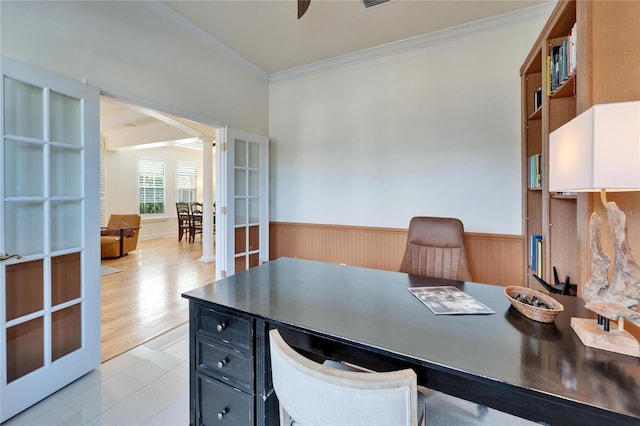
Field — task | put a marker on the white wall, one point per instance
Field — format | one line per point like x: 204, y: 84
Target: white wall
x: 140, y: 52
x: 433, y: 131
x: 121, y: 192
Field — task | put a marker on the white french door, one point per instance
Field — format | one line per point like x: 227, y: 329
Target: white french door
x: 242, y: 205
x: 49, y: 223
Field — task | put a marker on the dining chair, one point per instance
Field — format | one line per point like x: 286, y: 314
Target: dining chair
x: 196, y: 220
x: 435, y: 248
x: 184, y: 219
x: 310, y: 393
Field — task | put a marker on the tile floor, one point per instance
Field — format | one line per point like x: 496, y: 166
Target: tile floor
x: 148, y: 385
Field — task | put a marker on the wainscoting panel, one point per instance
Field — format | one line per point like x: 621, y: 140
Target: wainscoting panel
x: 493, y: 258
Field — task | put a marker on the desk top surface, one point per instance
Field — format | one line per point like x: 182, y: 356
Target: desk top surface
x: 374, y: 308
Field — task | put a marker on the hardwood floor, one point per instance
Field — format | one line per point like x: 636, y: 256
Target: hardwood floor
x: 143, y: 301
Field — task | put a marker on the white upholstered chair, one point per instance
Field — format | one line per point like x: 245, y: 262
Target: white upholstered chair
x: 314, y: 394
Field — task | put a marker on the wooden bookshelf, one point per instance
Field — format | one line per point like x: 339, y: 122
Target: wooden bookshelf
x: 607, y: 44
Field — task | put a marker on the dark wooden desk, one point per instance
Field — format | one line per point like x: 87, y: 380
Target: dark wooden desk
x: 537, y: 371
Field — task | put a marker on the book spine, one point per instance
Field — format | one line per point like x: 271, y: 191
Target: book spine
x: 548, y: 75
x: 572, y: 55
x: 539, y: 258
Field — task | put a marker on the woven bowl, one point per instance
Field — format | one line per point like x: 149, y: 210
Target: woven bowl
x: 533, y: 312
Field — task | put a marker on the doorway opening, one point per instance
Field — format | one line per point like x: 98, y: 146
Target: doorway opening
x: 143, y: 299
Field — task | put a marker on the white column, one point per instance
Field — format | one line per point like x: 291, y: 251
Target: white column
x: 207, y: 200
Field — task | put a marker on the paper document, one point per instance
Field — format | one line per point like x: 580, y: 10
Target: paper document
x: 449, y: 300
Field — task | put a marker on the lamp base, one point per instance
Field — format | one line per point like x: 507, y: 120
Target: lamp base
x: 592, y: 335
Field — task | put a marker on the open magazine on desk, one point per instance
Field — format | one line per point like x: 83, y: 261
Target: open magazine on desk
x: 449, y: 300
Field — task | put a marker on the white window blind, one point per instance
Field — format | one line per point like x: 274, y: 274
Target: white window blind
x: 151, y: 186
x: 187, y: 182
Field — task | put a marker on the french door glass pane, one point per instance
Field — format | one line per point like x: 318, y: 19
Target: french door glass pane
x: 66, y: 331
x: 254, y: 260
x: 25, y: 118
x: 241, y: 240
x: 24, y: 228
x: 241, y: 182
x: 241, y: 211
x: 23, y: 171
x: 65, y: 219
x: 24, y: 289
x: 65, y: 119
x: 240, y: 153
x: 254, y: 238
x: 254, y: 155
x: 25, y: 348
x: 254, y: 183
x: 254, y: 210
x: 241, y: 263
x: 65, y: 278
x: 66, y: 172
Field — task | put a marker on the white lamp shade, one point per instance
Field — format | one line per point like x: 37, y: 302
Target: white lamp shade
x: 599, y: 149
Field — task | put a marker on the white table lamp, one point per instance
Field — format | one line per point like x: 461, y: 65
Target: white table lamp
x: 599, y: 150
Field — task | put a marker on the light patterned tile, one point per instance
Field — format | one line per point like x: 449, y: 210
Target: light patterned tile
x: 169, y: 338
x: 49, y: 413
x: 98, y: 399
x: 146, y: 404
x: 179, y: 349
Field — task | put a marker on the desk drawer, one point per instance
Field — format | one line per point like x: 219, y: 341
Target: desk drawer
x: 223, y: 405
x: 235, y: 330
x: 227, y: 363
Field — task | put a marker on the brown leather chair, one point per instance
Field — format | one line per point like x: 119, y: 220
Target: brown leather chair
x: 435, y: 248
x: 120, y: 236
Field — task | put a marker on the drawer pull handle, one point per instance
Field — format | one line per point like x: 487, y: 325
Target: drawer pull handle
x: 222, y: 363
x: 222, y: 413
x: 221, y: 326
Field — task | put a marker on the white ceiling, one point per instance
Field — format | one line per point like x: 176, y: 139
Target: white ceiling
x: 127, y: 127
x: 268, y: 34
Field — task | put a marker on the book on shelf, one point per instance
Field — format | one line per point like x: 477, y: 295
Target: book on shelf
x: 561, y: 60
x: 449, y: 300
x: 548, y: 75
x: 539, y: 259
x: 535, y: 171
x: 535, y: 248
x: 572, y: 52
x: 537, y: 99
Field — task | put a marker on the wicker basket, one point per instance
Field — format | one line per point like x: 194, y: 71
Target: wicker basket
x: 533, y: 312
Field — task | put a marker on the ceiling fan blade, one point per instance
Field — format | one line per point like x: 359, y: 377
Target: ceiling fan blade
x: 303, y: 5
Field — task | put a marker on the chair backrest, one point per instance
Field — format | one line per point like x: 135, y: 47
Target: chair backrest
x: 196, y: 214
x: 196, y: 207
x: 184, y: 213
x: 435, y: 248
x: 117, y: 221
x: 182, y: 208
x: 316, y: 394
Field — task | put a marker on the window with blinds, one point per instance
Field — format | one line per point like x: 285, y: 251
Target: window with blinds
x: 187, y: 182
x: 151, y: 186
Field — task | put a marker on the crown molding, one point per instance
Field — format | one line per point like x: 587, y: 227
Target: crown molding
x: 198, y: 33
x: 443, y: 36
